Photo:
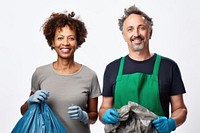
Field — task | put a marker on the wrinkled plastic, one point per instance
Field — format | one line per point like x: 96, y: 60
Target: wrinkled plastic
x: 39, y: 118
x: 134, y: 118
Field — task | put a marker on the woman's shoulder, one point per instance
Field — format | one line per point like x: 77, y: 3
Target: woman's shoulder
x: 46, y: 67
x: 88, y: 70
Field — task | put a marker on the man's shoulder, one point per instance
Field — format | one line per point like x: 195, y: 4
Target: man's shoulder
x: 113, y: 66
x: 167, y: 61
x: 115, y: 62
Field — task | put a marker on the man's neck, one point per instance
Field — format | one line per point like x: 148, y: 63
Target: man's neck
x: 140, y: 56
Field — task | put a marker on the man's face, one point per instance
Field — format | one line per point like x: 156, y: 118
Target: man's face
x: 136, y: 32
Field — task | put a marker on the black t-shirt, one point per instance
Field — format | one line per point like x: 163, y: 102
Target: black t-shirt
x: 169, y: 77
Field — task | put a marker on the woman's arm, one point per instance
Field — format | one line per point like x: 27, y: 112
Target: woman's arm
x: 92, y: 110
x: 24, y: 107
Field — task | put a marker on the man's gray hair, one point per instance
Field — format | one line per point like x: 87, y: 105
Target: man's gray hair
x: 134, y: 10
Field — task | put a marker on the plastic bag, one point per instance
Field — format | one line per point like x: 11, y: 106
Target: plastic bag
x: 39, y: 118
x: 134, y: 118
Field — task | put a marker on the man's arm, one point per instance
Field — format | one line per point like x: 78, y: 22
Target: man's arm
x: 107, y: 102
x: 178, y: 116
x: 178, y: 109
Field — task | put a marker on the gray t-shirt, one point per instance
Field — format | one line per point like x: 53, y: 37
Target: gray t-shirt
x: 66, y: 90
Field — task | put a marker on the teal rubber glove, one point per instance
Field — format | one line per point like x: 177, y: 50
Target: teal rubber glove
x: 38, y: 97
x: 110, y: 116
x: 164, y: 125
x: 76, y: 113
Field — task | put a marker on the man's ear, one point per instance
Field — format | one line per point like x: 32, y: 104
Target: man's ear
x: 150, y: 34
x: 123, y: 36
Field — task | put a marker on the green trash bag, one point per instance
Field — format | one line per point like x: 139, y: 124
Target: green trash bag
x: 39, y: 118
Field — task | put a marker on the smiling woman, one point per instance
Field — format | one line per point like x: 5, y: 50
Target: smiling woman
x: 70, y: 89
x: 64, y: 38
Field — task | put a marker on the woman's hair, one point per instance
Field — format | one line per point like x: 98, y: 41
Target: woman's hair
x: 134, y: 10
x: 60, y: 20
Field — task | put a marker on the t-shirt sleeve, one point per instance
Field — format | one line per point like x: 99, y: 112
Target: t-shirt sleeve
x: 177, y: 82
x: 107, y: 88
x: 34, y: 82
x: 95, y: 87
x: 109, y: 78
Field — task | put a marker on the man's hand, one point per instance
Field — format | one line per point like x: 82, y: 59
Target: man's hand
x: 164, y: 125
x: 110, y: 116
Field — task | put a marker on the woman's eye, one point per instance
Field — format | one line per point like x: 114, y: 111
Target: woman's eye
x: 59, y: 38
x: 71, y: 38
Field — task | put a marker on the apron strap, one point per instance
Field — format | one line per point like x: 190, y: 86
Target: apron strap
x: 157, y: 65
x: 121, y: 68
x: 155, y: 70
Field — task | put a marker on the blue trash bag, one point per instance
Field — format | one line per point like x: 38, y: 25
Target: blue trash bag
x: 39, y: 118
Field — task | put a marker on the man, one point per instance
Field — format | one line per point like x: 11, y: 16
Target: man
x: 146, y: 78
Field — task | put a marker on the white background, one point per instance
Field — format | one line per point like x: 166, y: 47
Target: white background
x: 23, y: 46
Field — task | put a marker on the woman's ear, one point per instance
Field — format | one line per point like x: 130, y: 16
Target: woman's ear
x: 52, y: 45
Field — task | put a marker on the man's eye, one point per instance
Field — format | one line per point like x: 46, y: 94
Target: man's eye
x: 142, y: 28
x: 129, y: 30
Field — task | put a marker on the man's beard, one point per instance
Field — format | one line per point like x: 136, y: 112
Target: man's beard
x: 137, y: 47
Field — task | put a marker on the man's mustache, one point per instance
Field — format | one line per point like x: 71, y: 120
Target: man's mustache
x: 137, y: 37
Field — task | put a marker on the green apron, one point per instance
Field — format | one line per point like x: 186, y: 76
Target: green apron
x: 138, y: 87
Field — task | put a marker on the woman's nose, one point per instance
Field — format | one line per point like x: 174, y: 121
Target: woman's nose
x: 65, y: 42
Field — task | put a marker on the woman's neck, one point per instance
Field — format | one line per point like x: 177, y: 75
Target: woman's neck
x: 66, y: 66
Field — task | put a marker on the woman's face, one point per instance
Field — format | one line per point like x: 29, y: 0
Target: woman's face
x: 65, y: 42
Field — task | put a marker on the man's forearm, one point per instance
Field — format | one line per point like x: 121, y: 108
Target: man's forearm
x: 179, y: 116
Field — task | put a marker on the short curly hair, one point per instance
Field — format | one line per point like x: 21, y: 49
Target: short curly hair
x: 134, y: 10
x: 60, y: 20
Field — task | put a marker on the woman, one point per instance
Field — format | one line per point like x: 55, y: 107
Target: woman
x: 70, y: 88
